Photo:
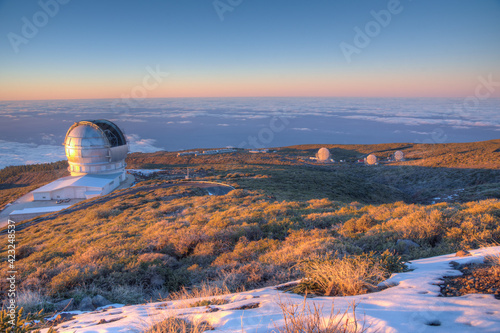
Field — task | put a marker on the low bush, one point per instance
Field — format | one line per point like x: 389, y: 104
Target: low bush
x: 345, y: 276
x: 493, y: 260
x: 203, y: 291
x: 178, y: 325
x: 207, y: 302
x: 33, y: 301
x: 392, y: 262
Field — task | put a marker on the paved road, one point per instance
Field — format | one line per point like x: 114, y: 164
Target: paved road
x: 212, y: 188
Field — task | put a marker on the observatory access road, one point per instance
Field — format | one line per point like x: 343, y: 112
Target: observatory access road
x: 211, y: 187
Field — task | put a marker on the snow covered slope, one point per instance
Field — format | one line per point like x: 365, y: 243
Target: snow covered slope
x: 412, y: 305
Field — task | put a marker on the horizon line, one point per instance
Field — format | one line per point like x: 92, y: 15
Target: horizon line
x: 235, y: 97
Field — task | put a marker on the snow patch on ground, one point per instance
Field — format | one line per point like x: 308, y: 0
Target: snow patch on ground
x: 412, y: 305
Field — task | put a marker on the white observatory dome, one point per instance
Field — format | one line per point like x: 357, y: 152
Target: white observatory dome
x: 323, y: 154
x: 399, y: 156
x: 95, y: 147
x: 371, y: 159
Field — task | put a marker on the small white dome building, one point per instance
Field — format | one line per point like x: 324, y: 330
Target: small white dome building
x: 399, y: 156
x: 96, y: 152
x: 371, y: 160
x: 323, y: 155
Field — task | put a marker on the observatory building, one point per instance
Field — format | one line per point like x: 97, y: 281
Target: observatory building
x: 323, y: 155
x: 371, y: 160
x: 95, y: 147
x: 399, y: 156
x: 96, y: 152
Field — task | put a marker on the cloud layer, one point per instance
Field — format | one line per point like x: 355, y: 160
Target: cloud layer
x: 137, y: 144
x: 17, y: 153
x: 436, y: 111
x: 32, y: 131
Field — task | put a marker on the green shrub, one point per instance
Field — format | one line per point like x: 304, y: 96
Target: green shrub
x: 392, y: 262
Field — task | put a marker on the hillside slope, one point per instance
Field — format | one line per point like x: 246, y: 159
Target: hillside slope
x: 463, y: 171
x: 411, y: 305
x: 285, y: 210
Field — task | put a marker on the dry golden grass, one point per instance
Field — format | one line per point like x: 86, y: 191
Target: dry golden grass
x: 33, y: 301
x: 206, y: 294
x: 178, y: 325
x: 345, y: 276
x: 134, y: 248
x: 16, y: 181
x: 207, y: 302
x: 493, y: 259
x: 306, y: 318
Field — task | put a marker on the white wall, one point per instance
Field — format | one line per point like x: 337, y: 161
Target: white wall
x: 78, y: 192
x: 63, y: 193
x: 41, y: 196
x: 112, y: 185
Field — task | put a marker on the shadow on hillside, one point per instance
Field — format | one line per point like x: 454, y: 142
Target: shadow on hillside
x: 430, y: 174
x: 381, y: 184
x: 8, y: 186
x: 428, y: 185
x: 393, y: 149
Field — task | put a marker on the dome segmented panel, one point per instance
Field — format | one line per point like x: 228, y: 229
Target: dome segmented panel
x: 113, y: 133
x: 86, y: 135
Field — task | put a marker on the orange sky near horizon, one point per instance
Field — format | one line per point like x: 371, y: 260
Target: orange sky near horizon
x: 294, y: 48
x: 173, y: 87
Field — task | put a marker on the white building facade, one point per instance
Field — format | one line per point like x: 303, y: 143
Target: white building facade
x: 96, y: 152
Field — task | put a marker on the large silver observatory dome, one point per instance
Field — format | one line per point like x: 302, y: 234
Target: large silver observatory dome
x: 95, y: 147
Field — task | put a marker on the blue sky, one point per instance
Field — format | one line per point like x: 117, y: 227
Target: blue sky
x: 101, y: 49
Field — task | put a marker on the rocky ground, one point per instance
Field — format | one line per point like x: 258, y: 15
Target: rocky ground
x: 476, y: 279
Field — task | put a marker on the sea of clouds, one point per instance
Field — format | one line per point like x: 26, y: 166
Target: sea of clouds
x: 33, y: 131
